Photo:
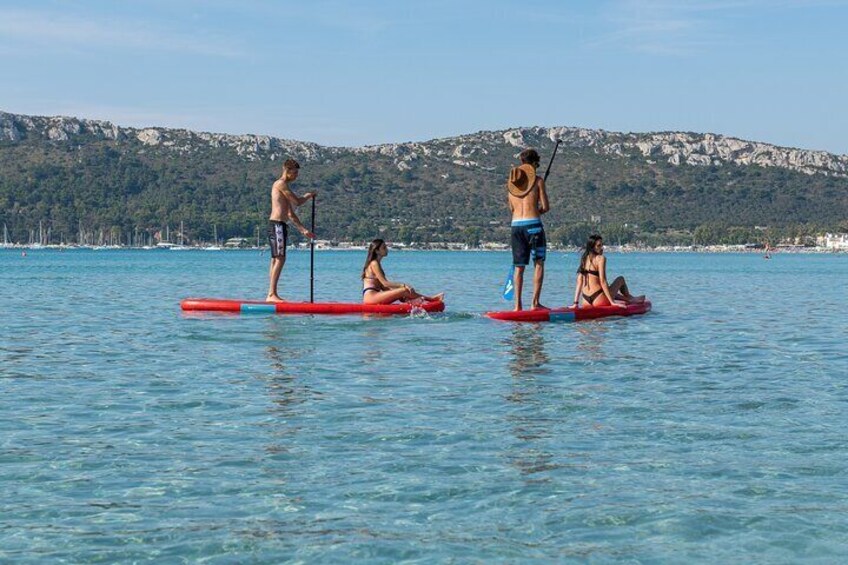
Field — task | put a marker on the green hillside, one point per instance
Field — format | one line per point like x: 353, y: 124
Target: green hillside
x: 123, y: 186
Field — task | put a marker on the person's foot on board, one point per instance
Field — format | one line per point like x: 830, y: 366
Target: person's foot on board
x: 437, y: 298
x: 273, y: 298
x: 540, y: 307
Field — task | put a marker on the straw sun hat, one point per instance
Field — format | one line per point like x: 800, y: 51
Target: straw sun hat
x: 521, y: 180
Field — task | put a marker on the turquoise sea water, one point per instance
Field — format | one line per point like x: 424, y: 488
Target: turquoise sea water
x: 712, y: 429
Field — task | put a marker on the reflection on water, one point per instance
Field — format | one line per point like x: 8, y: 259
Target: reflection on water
x: 372, y: 338
x: 529, y: 360
x: 526, y: 343
x: 285, y: 382
x: 529, y: 419
x: 286, y: 388
x: 591, y: 339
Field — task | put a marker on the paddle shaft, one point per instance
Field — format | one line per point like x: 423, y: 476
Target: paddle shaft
x: 312, y: 257
x: 551, y: 162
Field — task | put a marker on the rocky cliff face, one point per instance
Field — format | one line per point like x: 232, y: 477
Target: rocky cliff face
x: 16, y: 128
x: 674, y: 147
x: 472, y: 150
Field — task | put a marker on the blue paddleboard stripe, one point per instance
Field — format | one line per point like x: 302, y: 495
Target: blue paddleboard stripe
x: 263, y: 308
x: 562, y: 316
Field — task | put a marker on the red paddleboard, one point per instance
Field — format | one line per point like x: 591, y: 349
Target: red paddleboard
x: 569, y: 314
x: 248, y: 306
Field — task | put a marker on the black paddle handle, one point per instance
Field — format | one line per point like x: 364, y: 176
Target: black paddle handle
x: 551, y: 162
x: 312, y: 257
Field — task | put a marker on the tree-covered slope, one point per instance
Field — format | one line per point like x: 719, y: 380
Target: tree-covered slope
x: 68, y: 173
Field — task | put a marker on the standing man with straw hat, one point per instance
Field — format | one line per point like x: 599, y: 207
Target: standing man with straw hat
x: 527, y: 202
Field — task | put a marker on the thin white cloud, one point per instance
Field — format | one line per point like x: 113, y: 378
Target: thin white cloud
x: 658, y: 27
x: 340, y: 15
x: 60, y: 31
x: 682, y: 27
x: 346, y: 16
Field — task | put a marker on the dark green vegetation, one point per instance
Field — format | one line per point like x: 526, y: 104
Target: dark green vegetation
x: 125, y: 187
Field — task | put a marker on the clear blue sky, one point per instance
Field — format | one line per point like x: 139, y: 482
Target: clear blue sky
x: 367, y: 72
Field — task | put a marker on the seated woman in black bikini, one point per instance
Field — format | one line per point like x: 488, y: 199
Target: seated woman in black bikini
x: 592, y: 279
x: 377, y: 289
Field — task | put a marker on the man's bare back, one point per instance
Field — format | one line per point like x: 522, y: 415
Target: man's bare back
x: 532, y: 204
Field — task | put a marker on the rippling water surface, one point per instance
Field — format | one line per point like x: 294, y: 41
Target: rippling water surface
x: 712, y: 429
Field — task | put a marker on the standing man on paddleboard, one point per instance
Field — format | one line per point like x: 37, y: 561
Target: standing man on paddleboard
x: 283, y: 204
x: 527, y: 202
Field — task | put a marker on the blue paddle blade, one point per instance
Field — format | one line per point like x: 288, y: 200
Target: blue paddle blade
x: 508, y: 287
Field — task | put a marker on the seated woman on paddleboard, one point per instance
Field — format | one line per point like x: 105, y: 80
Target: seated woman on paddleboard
x: 592, y: 279
x: 377, y: 289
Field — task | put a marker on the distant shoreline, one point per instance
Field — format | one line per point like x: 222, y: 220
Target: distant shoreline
x: 706, y: 249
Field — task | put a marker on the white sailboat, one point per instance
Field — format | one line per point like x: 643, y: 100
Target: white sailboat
x: 101, y: 242
x: 167, y: 243
x: 214, y: 246
x: 6, y: 242
x: 181, y: 246
x: 38, y: 244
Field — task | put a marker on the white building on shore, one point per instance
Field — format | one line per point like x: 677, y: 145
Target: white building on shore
x: 835, y: 241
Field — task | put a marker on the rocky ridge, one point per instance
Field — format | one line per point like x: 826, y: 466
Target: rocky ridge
x: 470, y: 150
x: 16, y: 128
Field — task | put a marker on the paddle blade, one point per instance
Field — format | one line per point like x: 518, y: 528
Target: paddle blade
x: 509, y: 287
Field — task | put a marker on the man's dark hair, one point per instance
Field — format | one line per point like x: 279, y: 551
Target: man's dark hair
x: 529, y: 156
x: 291, y: 164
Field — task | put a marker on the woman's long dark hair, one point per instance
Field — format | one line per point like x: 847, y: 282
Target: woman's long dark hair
x: 589, y: 251
x: 372, y: 254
